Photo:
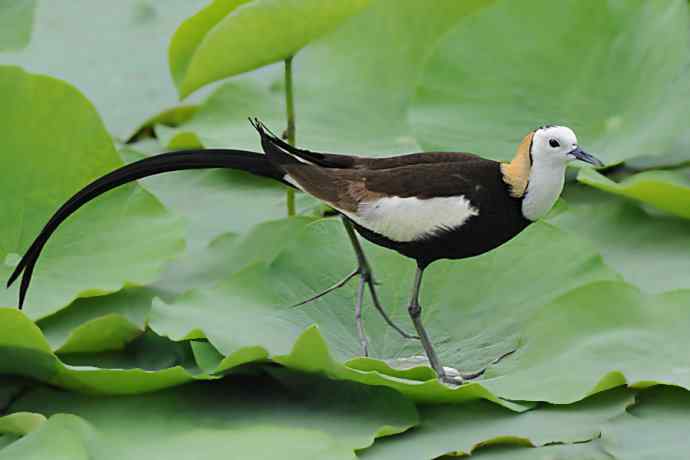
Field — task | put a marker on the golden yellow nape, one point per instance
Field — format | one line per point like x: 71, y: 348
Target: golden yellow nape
x: 516, y: 173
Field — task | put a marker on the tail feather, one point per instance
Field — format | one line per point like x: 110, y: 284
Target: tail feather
x: 190, y: 159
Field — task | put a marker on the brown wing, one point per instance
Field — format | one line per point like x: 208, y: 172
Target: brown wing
x: 345, y: 189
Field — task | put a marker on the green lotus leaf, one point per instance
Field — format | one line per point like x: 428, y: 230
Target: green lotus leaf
x: 657, y: 427
x: 597, y: 337
x: 666, y: 190
x: 16, y: 22
x: 300, y: 418
x: 649, y: 252
x: 677, y: 155
x: 471, y: 326
x: 114, y: 53
x: 616, y: 73
x: 231, y: 37
x: 123, y: 238
x: 62, y: 437
x: 584, y: 451
x: 350, y: 96
x: 462, y: 430
x: 215, y: 201
x: 99, y: 323
x: 24, y: 351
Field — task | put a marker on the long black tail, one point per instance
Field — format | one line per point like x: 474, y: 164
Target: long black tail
x: 189, y: 159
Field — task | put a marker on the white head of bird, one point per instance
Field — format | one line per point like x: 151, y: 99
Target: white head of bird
x: 537, y: 173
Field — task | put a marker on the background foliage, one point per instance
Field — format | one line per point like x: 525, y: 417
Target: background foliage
x: 159, y: 320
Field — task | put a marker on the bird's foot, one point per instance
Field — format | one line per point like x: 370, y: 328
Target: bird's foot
x: 469, y: 376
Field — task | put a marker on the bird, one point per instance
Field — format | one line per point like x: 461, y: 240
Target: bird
x: 426, y: 206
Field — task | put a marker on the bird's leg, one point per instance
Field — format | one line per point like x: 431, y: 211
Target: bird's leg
x: 366, y: 276
x: 363, y: 340
x: 415, y: 311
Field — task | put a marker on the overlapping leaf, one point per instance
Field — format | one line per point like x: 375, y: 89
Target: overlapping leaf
x: 461, y: 430
x: 213, y: 44
x: 666, y: 190
x: 115, y: 53
x: 471, y: 326
x: 24, y: 351
x: 126, y: 234
x: 617, y: 73
x: 655, y: 428
x: 249, y: 418
x: 597, y: 337
x: 350, y: 96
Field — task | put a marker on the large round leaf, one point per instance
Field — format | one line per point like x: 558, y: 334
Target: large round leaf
x: 471, y: 325
x: 231, y: 37
x: 247, y: 418
x: 122, y: 238
x: 616, y: 72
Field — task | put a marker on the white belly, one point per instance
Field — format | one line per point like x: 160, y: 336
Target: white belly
x: 409, y: 219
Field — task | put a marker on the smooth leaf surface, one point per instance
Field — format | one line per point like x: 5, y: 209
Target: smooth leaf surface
x: 123, y: 238
x: 666, y: 190
x: 462, y: 430
x: 655, y: 428
x: 213, y: 44
x: 470, y: 326
x: 215, y: 201
x: 115, y: 53
x: 63, y: 437
x: 16, y: 22
x: 351, y: 96
x: 615, y: 72
x: 597, y: 337
x: 247, y: 418
x: 650, y: 252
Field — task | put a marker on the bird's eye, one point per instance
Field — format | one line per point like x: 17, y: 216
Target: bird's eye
x: 554, y: 143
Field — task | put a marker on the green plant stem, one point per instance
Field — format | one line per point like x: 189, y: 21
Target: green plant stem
x: 290, y: 131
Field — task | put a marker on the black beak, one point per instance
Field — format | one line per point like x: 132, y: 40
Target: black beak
x: 581, y: 155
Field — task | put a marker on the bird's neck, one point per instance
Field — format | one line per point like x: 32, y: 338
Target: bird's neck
x: 545, y: 184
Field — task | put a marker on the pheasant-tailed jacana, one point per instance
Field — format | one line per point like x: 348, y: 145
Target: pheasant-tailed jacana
x: 426, y: 206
